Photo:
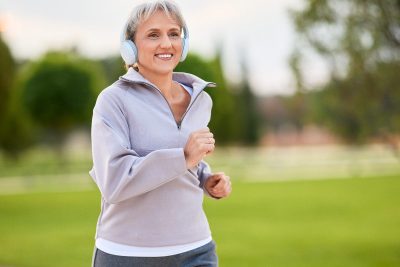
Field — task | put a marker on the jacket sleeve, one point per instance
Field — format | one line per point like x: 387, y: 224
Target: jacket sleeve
x: 119, y: 172
x: 203, y: 173
x: 204, y: 170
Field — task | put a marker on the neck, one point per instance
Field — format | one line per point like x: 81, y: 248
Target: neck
x: 162, y: 81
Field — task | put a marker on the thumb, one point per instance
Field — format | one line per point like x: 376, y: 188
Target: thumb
x: 215, y: 178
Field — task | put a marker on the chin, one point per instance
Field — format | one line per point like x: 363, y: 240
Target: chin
x: 164, y: 69
x: 159, y: 69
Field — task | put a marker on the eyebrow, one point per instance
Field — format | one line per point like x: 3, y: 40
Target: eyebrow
x: 157, y: 29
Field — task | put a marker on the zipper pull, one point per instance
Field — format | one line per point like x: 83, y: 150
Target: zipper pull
x: 179, y: 125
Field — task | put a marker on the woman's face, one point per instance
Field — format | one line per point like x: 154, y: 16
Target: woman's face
x: 159, y: 43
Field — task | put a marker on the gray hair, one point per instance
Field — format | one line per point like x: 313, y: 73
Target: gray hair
x: 143, y: 11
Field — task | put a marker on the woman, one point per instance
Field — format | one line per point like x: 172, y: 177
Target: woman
x: 149, y: 138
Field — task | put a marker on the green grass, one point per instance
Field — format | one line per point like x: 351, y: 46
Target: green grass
x: 350, y: 222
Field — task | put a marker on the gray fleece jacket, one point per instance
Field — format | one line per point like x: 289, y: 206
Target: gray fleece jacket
x: 149, y: 197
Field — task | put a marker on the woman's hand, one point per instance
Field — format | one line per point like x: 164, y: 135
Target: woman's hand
x: 199, y: 144
x: 218, y: 185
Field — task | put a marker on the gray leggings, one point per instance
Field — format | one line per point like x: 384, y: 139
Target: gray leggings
x: 204, y: 256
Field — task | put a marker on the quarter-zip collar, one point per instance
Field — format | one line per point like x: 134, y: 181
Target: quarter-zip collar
x: 191, y: 80
x: 185, y: 78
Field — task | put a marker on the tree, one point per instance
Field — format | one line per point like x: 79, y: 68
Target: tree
x: 59, y: 92
x: 247, y: 111
x: 113, y: 68
x: 15, y: 130
x: 360, y: 43
x: 7, y: 75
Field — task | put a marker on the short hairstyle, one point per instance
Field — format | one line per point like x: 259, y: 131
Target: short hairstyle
x: 143, y: 11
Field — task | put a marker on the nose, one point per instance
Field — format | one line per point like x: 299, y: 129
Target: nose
x: 165, y: 42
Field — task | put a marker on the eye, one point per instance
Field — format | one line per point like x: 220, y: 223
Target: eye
x: 153, y: 35
x: 175, y: 35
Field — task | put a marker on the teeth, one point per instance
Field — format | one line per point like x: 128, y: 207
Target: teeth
x: 164, y: 55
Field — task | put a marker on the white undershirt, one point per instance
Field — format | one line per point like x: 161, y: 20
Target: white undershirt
x: 132, y: 251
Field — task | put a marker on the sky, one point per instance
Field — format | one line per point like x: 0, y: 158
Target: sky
x: 260, y: 31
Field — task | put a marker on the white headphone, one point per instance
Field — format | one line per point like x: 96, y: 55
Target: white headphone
x: 129, y: 52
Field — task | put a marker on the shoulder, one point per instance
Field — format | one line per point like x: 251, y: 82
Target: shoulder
x: 206, y: 99
x: 112, y: 97
x: 116, y: 90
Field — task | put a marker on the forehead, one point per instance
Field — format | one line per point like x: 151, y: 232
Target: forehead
x: 159, y: 20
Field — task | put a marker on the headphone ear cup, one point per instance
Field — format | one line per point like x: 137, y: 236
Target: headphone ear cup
x: 185, y: 48
x: 128, y: 52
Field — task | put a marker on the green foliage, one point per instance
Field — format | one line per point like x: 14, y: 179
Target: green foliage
x: 360, y: 42
x: 7, y: 74
x: 113, y: 68
x: 362, y: 106
x: 59, y: 91
x: 247, y: 113
x: 15, y: 130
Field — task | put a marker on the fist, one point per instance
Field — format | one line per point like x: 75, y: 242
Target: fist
x: 200, y: 144
x: 218, y: 185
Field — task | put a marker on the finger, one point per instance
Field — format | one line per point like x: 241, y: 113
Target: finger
x: 203, y: 130
x: 211, y: 150
x: 220, y: 185
x: 221, y: 193
x: 199, y: 133
x: 201, y: 138
x: 205, y: 140
x: 204, y: 135
x: 226, y: 182
x: 213, y: 180
x: 202, y: 147
x: 205, y: 148
x: 210, y: 185
x: 209, y: 140
x: 216, y: 177
x: 225, y: 191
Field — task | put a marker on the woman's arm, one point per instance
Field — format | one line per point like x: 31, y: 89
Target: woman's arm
x: 118, y: 170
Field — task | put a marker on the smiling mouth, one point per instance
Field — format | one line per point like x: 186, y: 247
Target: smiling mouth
x: 164, y: 56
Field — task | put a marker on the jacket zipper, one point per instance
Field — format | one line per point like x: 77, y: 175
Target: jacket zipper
x: 191, y: 104
x: 179, y: 123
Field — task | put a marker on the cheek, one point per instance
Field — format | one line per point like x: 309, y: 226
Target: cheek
x: 179, y: 47
x: 145, y: 50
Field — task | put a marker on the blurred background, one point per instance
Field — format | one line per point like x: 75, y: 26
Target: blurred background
x: 306, y: 116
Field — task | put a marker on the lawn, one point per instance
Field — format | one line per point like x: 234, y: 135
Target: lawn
x: 333, y: 222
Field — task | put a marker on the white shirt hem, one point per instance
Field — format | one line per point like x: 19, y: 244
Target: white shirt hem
x: 132, y: 251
